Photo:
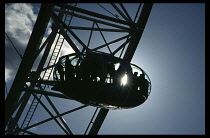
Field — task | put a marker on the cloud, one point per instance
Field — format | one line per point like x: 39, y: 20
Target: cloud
x: 19, y: 22
x: 66, y: 49
x: 8, y: 74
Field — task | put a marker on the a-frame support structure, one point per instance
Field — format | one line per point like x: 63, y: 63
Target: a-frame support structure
x: 20, y: 92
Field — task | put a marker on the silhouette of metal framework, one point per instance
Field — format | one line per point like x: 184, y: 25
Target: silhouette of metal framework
x: 120, y: 34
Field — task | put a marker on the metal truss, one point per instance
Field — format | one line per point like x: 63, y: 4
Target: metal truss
x: 80, y: 28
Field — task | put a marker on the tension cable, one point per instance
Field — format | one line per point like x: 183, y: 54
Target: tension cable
x: 14, y: 46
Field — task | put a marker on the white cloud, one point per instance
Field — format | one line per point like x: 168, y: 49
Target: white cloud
x: 19, y: 21
x: 66, y: 49
x: 8, y: 74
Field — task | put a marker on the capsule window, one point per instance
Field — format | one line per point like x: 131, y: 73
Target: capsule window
x: 116, y: 66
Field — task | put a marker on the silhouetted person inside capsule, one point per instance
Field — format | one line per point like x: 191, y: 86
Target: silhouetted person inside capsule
x: 59, y: 67
x: 69, y: 70
x: 136, y: 83
x: 144, y: 84
x: 88, y: 68
x: 111, y: 71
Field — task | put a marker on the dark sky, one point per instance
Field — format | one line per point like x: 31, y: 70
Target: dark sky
x: 171, y: 51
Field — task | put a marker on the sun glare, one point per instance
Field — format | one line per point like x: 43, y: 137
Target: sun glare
x: 124, y: 80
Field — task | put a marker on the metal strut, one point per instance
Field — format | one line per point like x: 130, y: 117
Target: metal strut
x: 128, y: 56
x: 33, y: 45
x: 46, y: 76
x: 91, y: 121
x: 26, y: 63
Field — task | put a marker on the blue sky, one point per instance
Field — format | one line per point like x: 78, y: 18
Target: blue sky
x: 171, y: 51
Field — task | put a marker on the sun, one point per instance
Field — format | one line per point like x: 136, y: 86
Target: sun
x: 124, y: 80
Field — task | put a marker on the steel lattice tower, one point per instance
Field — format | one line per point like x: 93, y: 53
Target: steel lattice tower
x: 27, y: 85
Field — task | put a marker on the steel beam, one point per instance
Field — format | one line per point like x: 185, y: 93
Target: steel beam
x: 92, y: 19
x: 91, y: 121
x: 23, y: 101
x: 98, y: 122
x: 125, y: 11
x: 137, y: 12
x: 96, y: 29
x: 122, y: 46
x: 68, y: 39
x: 27, y: 60
x: 104, y: 39
x: 119, y: 11
x: 47, y: 50
x: 90, y: 36
x: 138, y: 31
x: 64, y: 26
x: 49, y: 112
x: 43, y: 45
x: 49, y: 42
x: 128, y: 56
x: 54, y: 117
x: 34, y: 44
x: 60, y: 117
x: 53, y: 94
x: 109, y: 43
x: 94, y: 14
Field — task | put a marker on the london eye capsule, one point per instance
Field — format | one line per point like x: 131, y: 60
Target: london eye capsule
x: 101, y: 80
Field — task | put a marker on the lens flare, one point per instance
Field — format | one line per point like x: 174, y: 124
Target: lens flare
x: 124, y: 80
